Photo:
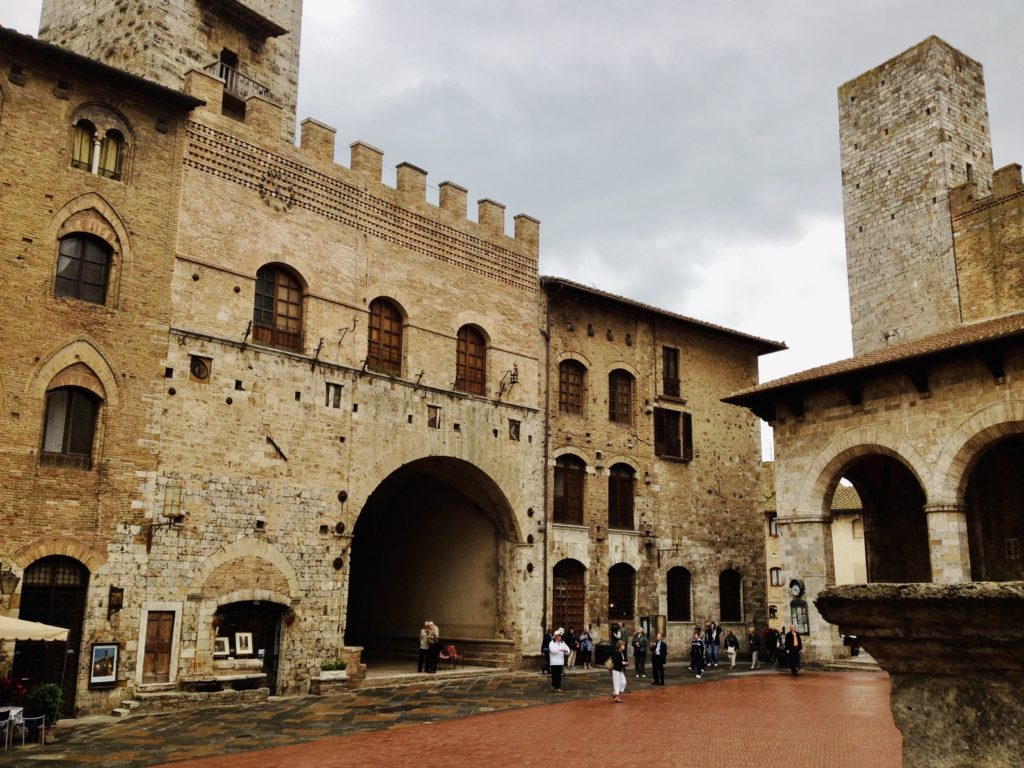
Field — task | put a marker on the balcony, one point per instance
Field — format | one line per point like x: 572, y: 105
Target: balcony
x: 236, y: 84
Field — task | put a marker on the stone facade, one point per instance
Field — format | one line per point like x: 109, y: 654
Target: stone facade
x: 698, y: 508
x: 909, y: 130
x: 324, y: 404
x: 927, y: 429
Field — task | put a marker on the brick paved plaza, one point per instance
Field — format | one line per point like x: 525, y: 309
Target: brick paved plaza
x: 733, y: 719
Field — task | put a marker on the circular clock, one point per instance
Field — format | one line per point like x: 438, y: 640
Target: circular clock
x: 796, y: 587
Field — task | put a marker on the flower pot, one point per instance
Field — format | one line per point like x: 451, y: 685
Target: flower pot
x: 334, y: 674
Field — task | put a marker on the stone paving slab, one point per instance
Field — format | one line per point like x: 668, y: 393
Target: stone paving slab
x: 833, y: 720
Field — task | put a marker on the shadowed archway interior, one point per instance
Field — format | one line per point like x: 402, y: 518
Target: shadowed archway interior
x: 434, y: 541
x: 995, y: 521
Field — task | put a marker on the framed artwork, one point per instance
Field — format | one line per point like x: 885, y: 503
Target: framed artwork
x: 221, y: 646
x: 243, y: 643
x: 103, y: 665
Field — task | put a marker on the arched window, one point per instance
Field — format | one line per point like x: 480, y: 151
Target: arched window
x: 621, y: 490
x: 384, y: 353
x: 69, y: 427
x: 620, y: 397
x: 110, y: 155
x: 83, y: 267
x: 621, y: 592
x: 277, y: 311
x: 570, y: 473
x: 570, y: 386
x: 678, y: 594
x: 81, y: 145
x: 730, y: 593
x: 471, y: 361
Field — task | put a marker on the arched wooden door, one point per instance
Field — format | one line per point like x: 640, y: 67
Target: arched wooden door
x: 568, y: 592
x: 53, y: 592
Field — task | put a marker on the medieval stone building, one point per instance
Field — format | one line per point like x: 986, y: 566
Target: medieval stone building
x: 926, y: 420
x: 262, y: 410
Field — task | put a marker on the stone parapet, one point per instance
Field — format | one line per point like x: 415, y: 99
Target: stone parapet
x: 953, y: 651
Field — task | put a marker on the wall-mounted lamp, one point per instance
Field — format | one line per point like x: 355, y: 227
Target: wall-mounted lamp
x: 508, y: 380
x: 115, y: 601
x: 8, y: 581
x: 647, y: 478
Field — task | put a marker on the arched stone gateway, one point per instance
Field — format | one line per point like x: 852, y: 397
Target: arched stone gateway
x: 435, y: 540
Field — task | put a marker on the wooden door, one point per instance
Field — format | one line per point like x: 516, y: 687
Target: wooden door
x: 568, y: 595
x: 156, y: 662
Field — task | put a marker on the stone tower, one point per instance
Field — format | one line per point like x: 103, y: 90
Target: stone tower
x: 253, y: 45
x: 909, y: 130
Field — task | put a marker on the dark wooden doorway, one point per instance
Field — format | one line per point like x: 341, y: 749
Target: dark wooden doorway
x: 53, y: 592
x: 156, y: 661
x: 263, y: 621
x: 568, y: 594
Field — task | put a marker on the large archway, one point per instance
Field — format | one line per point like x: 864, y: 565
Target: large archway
x: 895, y: 526
x: 995, y: 522
x: 435, y: 540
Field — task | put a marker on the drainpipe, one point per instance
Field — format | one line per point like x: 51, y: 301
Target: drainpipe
x: 547, y: 447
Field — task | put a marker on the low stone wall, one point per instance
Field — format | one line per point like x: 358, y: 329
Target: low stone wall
x: 953, y: 652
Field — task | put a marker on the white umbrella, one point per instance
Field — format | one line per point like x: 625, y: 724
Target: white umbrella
x: 19, y: 629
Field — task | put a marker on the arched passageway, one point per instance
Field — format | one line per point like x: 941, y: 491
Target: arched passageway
x: 995, y: 487
x: 895, y: 526
x: 53, y: 592
x: 435, y: 541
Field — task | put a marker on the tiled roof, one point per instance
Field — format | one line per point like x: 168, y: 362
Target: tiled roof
x: 846, y: 498
x: 765, y: 345
x: 958, y: 338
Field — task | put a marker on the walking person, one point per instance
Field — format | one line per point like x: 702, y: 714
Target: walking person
x: 558, y: 651
x: 570, y: 640
x: 640, y: 652
x: 697, y: 651
x: 619, y: 664
x: 659, y: 655
x: 794, y: 647
x: 421, y: 661
x: 755, y: 647
x: 732, y: 646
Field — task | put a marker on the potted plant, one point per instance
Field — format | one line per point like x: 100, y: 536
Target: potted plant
x: 336, y: 669
x: 45, y: 699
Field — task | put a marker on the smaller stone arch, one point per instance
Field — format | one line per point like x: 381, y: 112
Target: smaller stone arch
x: 91, y: 214
x: 104, y: 118
x: 966, y: 444
x: 247, y: 547
x: 579, y: 357
x: 92, y: 559
x: 823, y: 474
x: 81, y: 362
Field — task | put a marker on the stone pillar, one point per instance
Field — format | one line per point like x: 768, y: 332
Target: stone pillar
x: 807, y: 555
x: 947, y: 543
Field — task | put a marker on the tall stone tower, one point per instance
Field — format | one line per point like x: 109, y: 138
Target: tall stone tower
x: 909, y: 130
x: 252, y: 44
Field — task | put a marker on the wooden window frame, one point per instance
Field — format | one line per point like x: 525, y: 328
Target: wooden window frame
x: 621, y: 592
x: 384, y: 340
x: 670, y: 372
x: 673, y: 434
x: 620, y: 397
x: 621, y: 497
x: 79, y: 274
x: 76, y: 426
x: 571, y: 379
x: 679, y: 584
x: 277, y: 309
x: 775, y: 576
x: 569, y: 488
x: 82, y: 135
x: 471, y: 361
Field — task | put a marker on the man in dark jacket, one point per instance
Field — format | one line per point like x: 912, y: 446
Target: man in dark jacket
x: 659, y: 655
x: 794, y: 647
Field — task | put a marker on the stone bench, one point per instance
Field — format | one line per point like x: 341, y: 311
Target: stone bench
x: 235, y: 682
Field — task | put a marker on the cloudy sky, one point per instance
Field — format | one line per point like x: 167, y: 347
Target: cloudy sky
x: 683, y: 154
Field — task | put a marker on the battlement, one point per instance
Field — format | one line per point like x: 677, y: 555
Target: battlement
x: 316, y: 182
x: 1006, y: 182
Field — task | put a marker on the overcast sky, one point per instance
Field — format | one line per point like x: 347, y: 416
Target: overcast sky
x: 682, y: 154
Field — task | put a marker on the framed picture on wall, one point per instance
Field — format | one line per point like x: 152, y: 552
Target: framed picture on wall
x: 103, y: 665
x: 243, y: 643
x: 221, y: 646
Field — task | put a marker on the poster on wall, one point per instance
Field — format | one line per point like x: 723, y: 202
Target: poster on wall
x: 103, y: 665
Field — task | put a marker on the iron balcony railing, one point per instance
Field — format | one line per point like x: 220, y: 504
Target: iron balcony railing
x: 237, y: 84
